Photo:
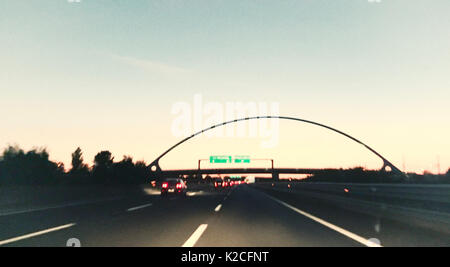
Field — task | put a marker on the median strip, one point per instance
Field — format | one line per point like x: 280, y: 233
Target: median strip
x: 195, y: 236
x: 338, y: 229
x: 140, y: 207
x: 15, y: 239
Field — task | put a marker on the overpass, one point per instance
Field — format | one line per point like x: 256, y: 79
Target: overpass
x: 275, y: 172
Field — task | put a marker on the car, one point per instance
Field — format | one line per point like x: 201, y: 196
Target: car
x: 219, y: 184
x: 173, y: 186
x: 225, y: 184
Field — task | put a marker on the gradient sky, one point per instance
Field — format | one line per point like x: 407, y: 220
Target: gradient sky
x: 105, y: 75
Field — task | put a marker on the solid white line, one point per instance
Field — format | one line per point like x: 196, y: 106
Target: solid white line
x: 140, y: 207
x: 338, y: 229
x: 15, y: 239
x: 195, y: 236
x: 218, y: 208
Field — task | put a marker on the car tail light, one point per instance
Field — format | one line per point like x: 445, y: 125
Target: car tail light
x: 215, y: 184
x: 179, y: 186
x: 165, y: 185
x: 225, y: 184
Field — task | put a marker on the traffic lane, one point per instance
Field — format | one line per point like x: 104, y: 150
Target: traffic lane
x: 29, y: 222
x: 389, y: 232
x: 166, y: 223
x: 423, y: 197
x: 250, y: 218
x: 22, y: 223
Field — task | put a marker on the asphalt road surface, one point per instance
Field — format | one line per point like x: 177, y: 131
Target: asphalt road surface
x: 242, y: 216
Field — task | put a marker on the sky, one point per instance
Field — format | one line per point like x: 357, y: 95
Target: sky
x: 109, y: 75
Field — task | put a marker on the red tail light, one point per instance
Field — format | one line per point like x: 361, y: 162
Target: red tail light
x: 165, y: 185
x: 215, y: 184
x: 225, y: 184
x: 179, y: 186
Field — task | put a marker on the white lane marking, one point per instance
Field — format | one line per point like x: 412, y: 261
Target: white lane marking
x: 195, y: 236
x: 139, y: 207
x: 218, y: 208
x: 15, y: 239
x: 80, y: 203
x: 338, y: 229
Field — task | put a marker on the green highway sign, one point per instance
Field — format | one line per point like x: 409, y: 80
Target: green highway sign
x: 229, y: 159
x: 220, y: 159
x: 242, y: 159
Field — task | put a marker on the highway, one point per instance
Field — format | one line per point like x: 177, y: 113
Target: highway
x: 246, y: 215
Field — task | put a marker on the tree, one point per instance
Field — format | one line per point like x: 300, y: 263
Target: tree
x: 80, y: 170
x: 12, y: 152
x: 142, y: 172
x: 127, y: 172
x: 33, y: 167
x: 103, y: 159
x: 124, y: 171
x: 103, y: 164
x: 77, y: 162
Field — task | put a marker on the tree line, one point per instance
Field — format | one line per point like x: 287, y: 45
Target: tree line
x: 34, y: 167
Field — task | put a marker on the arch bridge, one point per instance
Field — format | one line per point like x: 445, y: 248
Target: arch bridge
x: 156, y: 170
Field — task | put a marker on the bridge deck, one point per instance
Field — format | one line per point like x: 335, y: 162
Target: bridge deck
x: 242, y: 170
